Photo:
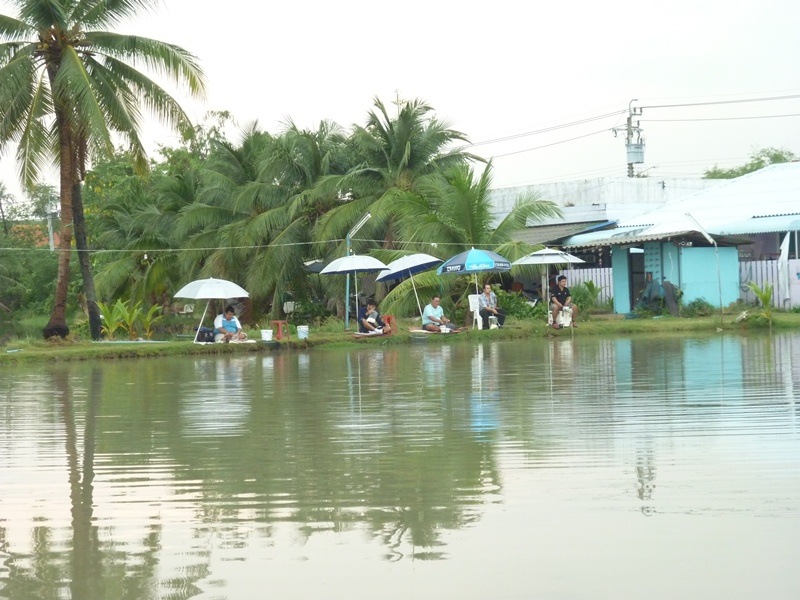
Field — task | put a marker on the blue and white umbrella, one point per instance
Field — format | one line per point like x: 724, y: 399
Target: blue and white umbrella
x: 475, y: 261
x: 408, y: 266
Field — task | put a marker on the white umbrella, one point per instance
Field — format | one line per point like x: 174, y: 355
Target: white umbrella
x: 407, y: 266
x: 210, y: 289
x: 353, y: 263
x: 547, y: 257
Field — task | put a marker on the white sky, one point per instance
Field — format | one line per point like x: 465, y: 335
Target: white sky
x: 505, y: 68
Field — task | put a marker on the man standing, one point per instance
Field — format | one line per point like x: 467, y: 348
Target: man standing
x: 560, y: 300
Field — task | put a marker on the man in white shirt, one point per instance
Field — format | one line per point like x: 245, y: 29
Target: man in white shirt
x: 227, y: 327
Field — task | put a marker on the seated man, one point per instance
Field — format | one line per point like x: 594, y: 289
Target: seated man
x: 433, y: 318
x: 489, y: 308
x: 369, y: 319
x: 227, y: 327
x: 560, y: 300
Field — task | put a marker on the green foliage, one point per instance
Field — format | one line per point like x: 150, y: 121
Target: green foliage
x: 764, y: 296
x: 148, y: 319
x: 758, y: 160
x: 698, y: 308
x: 586, y: 296
x: 129, y: 317
x: 306, y: 311
x: 112, y: 316
x: 516, y: 305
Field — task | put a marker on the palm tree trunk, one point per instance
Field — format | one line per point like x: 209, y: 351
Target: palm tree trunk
x: 95, y: 324
x: 57, y: 325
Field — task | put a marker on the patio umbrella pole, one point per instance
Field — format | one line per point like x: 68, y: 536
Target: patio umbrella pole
x: 355, y: 284
x: 414, y: 285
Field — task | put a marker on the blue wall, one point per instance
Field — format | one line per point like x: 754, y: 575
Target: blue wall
x: 693, y: 270
x: 620, y: 273
x: 698, y: 269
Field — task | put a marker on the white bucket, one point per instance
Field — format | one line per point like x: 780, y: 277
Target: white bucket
x: 302, y: 332
x: 266, y: 335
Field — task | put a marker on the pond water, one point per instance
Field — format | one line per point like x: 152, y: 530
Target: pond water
x: 660, y: 467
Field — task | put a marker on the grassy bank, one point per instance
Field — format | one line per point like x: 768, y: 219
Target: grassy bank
x: 333, y: 335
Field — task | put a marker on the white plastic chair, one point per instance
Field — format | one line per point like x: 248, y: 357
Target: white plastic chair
x: 475, y: 309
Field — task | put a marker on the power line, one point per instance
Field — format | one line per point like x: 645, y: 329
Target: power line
x: 551, y: 144
x: 717, y: 102
x: 547, y: 129
x: 721, y: 118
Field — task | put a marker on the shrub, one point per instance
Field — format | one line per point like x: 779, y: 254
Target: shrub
x: 764, y: 296
x: 698, y: 308
x: 516, y: 305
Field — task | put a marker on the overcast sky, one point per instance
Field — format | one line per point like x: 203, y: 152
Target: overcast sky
x: 503, y: 68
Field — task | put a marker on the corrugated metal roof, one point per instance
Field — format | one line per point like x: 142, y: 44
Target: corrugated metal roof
x: 763, y: 225
x: 727, y: 209
x: 544, y: 234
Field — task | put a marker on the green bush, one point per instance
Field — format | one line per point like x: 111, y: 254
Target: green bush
x: 516, y: 305
x: 309, y: 312
x: 698, y: 308
x: 586, y: 295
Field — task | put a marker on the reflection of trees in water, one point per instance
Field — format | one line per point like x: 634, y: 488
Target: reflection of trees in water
x: 89, y: 566
x: 336, y: 455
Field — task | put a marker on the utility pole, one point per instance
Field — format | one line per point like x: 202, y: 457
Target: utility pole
x: 634, y: 143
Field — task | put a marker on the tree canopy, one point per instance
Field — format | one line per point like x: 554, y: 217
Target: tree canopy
x: 758, y: 160
x: 67, y: 87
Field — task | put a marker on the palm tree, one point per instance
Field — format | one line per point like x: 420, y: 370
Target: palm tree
x: 393, y: 154
x: 255, y: 213
x: 66, y: 87
x: 452, y: 213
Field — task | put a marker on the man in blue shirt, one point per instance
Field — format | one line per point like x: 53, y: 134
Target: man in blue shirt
x: 227, y: 327
x: 433, y: 318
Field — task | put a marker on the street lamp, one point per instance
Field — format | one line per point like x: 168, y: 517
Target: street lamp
x: 350, y: 234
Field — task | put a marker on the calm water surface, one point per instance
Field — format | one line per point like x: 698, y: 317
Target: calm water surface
x: 566, y: 468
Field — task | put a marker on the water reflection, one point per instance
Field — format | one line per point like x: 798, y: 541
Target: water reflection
x: 151, y: 480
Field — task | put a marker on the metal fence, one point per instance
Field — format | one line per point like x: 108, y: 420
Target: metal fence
x: 600, y: 277
x: 763, y: 272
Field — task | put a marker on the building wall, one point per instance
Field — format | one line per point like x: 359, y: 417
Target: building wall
x: 615, y: 282
x: 620, y: 271
x: 613, y: 194
x: 702, y: 275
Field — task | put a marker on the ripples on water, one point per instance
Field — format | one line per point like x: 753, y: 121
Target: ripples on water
x: 206, y: 477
